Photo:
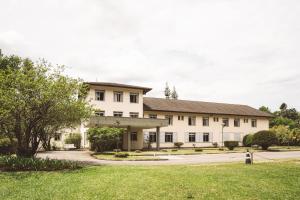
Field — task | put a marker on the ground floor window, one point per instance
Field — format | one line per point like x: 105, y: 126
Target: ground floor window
x: 192, y: 137
x: 152, y: 137
x: 118, y: 114
x: 134, y: 114
x: 100, y: 113
x: 168, y: 137
x: 133, y: 136
x: 205, y: 137
x: 57, y: 136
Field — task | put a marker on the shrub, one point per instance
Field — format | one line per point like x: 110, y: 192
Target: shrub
x: 215, y: 144
x: 174, y: 150
x: 247, y: 140
x: 264, y: 139
x: 178, y: 144
x: 164, y: 150
x: 231, y: 144
x: 74, y: 138
x: 121, y: 155
x: 12, y: 163
x: 138, y: 151
x: 7, y: 146
x: 198, y: 150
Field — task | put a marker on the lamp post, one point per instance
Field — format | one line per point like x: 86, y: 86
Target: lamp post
x: 223, y: 125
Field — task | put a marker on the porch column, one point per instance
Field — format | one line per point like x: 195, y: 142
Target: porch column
x: 128, y: 138
x: 157, y: 137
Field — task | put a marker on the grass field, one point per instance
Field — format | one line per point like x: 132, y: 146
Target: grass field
x: 277, y: 180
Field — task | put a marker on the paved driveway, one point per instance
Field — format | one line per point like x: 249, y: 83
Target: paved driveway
x: 84, y: 156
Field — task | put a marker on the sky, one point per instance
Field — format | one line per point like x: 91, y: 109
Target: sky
x: 228, y: 51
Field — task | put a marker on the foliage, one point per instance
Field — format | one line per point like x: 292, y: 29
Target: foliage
x: 104, y: 139
x: 74, y: 138
x: 264, y: 139
x: 174, y: 94
x: 36, y: 101
x: 198, y: 150
x: 178, y: 144
x: 13, y: 163
x: 7, y: 145
x: 286, y: 136
x: 247, y: 140
x: 167, y: 91
x: 265, y: 109
x: 121, y: 155
x: 231, y: 144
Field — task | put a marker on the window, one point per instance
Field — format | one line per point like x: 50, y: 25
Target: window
x: 168, y: 137
x: 180, y: 117
x: 133, y: 136
x: 205, y: 137
x: 100, y: 113
x: 216, y: 119
x: 253, y: 123
x: 99, y: 95
x: 152, y: 116
x: 245, y: 120
x: 236, y: 122
x: 118, y: 114
x: 192, y: 121
x: 134, y: 97
x: 192, y: 137
x: 118, y: 96
x: 205, y: 121
x: 57, y: 136
x: 134, y: 114
x: 170, y: 119
x: 152, y: 137
x: 226, y: 121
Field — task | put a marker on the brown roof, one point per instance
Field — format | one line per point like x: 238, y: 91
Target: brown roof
x: 145, y: 89
x: 184, y: 106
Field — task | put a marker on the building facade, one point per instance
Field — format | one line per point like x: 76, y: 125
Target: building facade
x: 162, y: 122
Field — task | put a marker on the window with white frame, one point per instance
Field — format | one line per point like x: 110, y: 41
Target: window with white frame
x: 205, y: 137
x: 134, y: 97
x: 226, y: 121
x: 118, y: 96
x: 133, y: 136
x: 99, y: 95
x: 168, y: 137
x: 118, y: 114
x: 253, y: 122
x: 192, y: 121
x: 180, y: 117
x: 100, y: 113
x: 205, y: 121
x: 170, y: 119
x: 237, y: 122
x: 153, y: 116
x: 216, y: 119
x: 152, y: 137
x: 192, y: 137
x: 134, y: 114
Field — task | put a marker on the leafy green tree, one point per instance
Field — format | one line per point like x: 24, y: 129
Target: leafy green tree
x: 264, y: 139
x: 265, y: 109
x: 36, y: 100
x: 283, y: 134
x: 283, y: 106
x: 174, y: 94
x: 167, y: 91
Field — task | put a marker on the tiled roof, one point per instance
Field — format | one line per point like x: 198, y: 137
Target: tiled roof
x: 145, y: 89
x: 184, y: 106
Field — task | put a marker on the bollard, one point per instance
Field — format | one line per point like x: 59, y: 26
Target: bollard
x: 248, y: 160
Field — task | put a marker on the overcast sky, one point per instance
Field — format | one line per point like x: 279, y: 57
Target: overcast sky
x: 231, y: 51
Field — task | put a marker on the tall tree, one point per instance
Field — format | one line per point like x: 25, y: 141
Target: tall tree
x: 265, y: 109
x: 283, y: 106
x: 174, y: 94
x: 36, y: 100
x: 167, y: 91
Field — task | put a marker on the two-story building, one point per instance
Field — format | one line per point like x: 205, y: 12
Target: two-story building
x: 165, y: 121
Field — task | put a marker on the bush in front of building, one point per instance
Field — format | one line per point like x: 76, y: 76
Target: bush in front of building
x: 121, y: 155
x: 178, y: 144
x: 74, y: 138
x: 231, y: 144
x: 247, y: 140
x: 7, y: 145
x: 105, y: 138
x: 198, y: 150
x: 265, y: 139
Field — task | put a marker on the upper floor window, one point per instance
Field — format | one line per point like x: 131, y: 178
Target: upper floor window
x: 152, y: 137
x: 134, y: 114
x: 205, y: 121
x: 170, y: 119
x: 118, y: 96
x: 100, y: 113
x: 192, y: 137
x: 216, y: 119
x: 133, y: 136
x: 168, y: 137
x: 192, y: 121
x: 134, y: 97
x: 180, y: 117
x: 118, y: 114
x: 253, y: 122
x: 152, y: 116
x: 245, y: 120
x: 99, y: 95
x: 205, y: 137
x: 226, y: 121
x: 236, y: 122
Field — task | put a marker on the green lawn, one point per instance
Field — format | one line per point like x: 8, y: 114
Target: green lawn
x: 278, y: 180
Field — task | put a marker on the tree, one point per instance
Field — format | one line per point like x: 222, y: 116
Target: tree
x: 283, y: 134
x: 283, y: 106
x: 167, y: 91
x: 174, y: 94
x: 37, y: 100
x: 265, y: 109
x: 264, y: 139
